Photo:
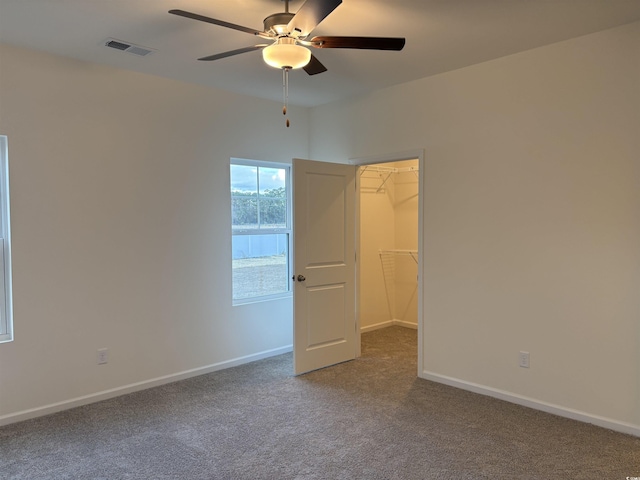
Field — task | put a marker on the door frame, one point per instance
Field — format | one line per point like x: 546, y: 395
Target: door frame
x: 388, y: 158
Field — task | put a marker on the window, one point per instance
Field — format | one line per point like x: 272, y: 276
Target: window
x: 6, y: 320
x: 261, y: 230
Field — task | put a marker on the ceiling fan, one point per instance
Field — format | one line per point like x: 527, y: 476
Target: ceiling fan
x: 289, y: 33
x: 289, y: 36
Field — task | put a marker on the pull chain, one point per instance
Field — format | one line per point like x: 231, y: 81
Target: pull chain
x: 285, y: 91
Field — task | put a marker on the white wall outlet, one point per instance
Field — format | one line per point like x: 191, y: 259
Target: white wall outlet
x: 524, y: 359
x: 103, y: 356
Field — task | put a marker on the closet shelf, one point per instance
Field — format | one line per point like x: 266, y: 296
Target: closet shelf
x: 412, y: 253
x: 388, y: 260
x: 386, y: 172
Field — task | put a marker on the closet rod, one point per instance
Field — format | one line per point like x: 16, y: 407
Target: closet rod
x: 374, y: 168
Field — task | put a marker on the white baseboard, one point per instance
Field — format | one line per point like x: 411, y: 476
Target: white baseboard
x: 604, y: 422
x: 402, y: 323
x: 376, y: 326
x: 388, y: 323
x: 135, y: 387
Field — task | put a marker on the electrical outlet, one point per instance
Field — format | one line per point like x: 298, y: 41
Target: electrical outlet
x: 103, y: 356
x: 524, y: 359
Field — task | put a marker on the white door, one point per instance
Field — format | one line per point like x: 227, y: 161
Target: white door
x: 324, y: 326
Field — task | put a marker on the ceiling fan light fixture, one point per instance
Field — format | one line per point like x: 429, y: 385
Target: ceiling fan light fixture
x: 286, y: 54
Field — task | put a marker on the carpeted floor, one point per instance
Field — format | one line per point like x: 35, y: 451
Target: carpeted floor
x: 366, y: 419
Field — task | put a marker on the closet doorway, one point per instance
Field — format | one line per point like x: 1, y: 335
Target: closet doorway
x: 389, y: 235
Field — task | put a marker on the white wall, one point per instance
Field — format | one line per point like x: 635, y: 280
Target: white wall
x: 531, y: 219
x: 121, y: 235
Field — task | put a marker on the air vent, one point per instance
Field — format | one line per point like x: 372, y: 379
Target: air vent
x: 128, y: 47
x: 117, y: 45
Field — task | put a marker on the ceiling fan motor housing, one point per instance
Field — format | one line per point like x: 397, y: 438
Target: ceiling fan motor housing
x: 277, y: 23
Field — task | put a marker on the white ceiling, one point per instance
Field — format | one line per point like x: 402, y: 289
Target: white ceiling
x: 442, y: 35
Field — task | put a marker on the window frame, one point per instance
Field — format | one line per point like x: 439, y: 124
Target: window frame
x: 6, y: 303
x: 287, y: 230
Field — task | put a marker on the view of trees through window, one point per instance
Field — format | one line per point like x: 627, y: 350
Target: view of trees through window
x: 261, y: 229
x: 268, y: 210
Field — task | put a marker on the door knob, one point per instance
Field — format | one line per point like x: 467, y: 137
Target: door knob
x: 301, y: 278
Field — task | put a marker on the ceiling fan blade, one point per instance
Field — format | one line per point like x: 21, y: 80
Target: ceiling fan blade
x: 202, y: 18
x: 310, y: 14
x: 314, y: 66
x: 367, y: 43
x: 231, y: 53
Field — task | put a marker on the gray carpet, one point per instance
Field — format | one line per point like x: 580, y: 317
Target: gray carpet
x: 366, y: 419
